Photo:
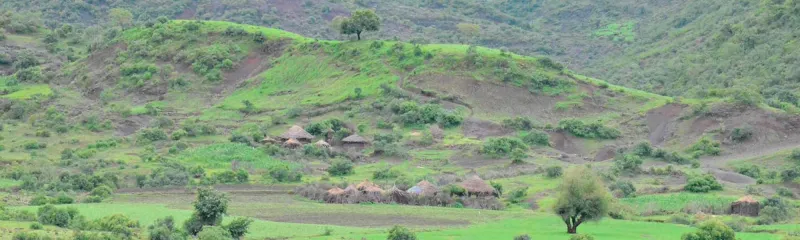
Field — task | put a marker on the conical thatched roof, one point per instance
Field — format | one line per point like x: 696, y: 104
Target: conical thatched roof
x: 292, y: 143
x: 427, y: 188
x: 747, y: 199
x: 355, y: 139
x: 398, y: 196
x: 335, y: 191
x: 322, y: 143
x: 476, y: 186
x: 351, y: 190
x: 373, y: 189
x: 366, y: 184
x: 298, y: 133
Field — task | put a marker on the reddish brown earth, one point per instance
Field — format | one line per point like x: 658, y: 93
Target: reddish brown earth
x: 662, y: 122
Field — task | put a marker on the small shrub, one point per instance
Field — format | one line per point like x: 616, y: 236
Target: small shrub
x: 536, y: 137
x: 581, y: 237
x: 643, y: 149
x: 238, y: 227
x: 39, y: 200
x: 623, y: 188
x: 340, y: 167
x: 102, y: 191
x: 741, y: 134
x: 785, y: 192
x: 522, y: 237
x: 795, y: 156
x: 554, y: 171
x: 386, y: 173
x: 401, y: 233
x: 64, y: 199
x: 36, y: 226
x: 702, y: 184
x: 711, y: 230
x: 151, y: 135
x: 627, y: 162
x: 590, y: 130
x: 705, y: 147
x: 178, y: 134
x: 518, y: 123
x: 500, y: 147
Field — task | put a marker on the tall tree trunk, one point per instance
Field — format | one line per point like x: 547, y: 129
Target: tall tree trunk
x: 572, y: 229
x: 358, y: 34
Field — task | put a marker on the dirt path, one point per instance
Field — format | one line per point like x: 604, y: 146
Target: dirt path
x: 718, y: 165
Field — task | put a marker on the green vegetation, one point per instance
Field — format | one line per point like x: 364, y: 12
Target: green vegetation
x: 581, y: 198
x: 702, y: 183
x: 591, y: 130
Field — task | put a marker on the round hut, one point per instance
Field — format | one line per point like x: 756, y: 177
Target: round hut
x: 292, y: 143
x: 426, y: 188
x: 746, y: 206
x: 322, y: 144
x: 475, y: 186
x: 297, y: 133
x: 366, y: 184
x: 351, y: 190
x: 355, y: 141
x: 399, y: 196
x: 335, y: 195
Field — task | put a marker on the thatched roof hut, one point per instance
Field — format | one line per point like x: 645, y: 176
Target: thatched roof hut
x: 351, y: 190
x: 270, y: 140
x: 746, y: 206
x: 477, y: 187
x: 423, y: 188
x: 292, y: 143
x: 366, y: 184
x: 355, y: 139
x: 335, y: 191
x: 322, y: 144
x: 298, y: 133
x: 373, y: 190
x: 399, y: 196
x: 335, y: 195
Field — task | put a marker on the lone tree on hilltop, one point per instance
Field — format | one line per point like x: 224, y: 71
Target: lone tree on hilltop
x: 581, y: 198
x: 360, y: 21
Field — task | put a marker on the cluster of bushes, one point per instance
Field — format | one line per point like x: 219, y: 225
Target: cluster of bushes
x: 196, y: 128
x: 588, y: 130
x: 210, y: 61
x: 138, y: 74
x: 37, y: 180
x: 451, y: 196
x: 284, y: 173
x: 411, y: 113
x: 109, y: 227
x: 206, y: 221
x: 501, y: 147
x: 705, y: 147
x: 519, y: 124
x: 702, y: 184
x: 171, y: 175
x: 741, y: 134
x: 628, y: 163
x: 340, y: 167
x: 623, y: 189
x: 536, y: 137
x: 226, y: 177
x: 388, y: 144
x: 644, y: 149
x: 148, y: 135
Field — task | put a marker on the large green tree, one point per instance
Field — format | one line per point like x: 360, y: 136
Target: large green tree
x: 209, y: 209
x: 361, y: 21
x: 581, y: 198
x: 120, y: 17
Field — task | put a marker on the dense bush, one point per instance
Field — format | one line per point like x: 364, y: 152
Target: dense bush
x: 386, y: 173
x: 117, y: 224
x: 554, y: 171
x: 702, y: 184
x: 536, y: 137
x: 623, y: 189
x: 711, y: 230
x: 401, y: 233
x: 795, y: 156
x: 627, y: 163
x: 741, y: 134
x: 411, y: 113
x: 214, y: 233
x: 238, y: 227
x: 151, y: 135
x: 282, y: 173
x: 705, y: 147
x: 164, y: 229
x: 590, y: 130
x: 500, y: 147
x: 61, y: 217
x: 340, y: 167
x: 643, y: 149
x: 518, y: 123
x: 774, y: 209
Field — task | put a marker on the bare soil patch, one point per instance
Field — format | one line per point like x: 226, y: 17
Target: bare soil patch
x: 731, y: 177
x: 130, y: 125
x: 257, y: 62
x: 662, y: 122
x: 566, y: 143
x: 606, y: 153
x: 480, y: 129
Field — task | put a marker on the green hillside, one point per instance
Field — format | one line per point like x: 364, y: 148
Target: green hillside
x: 107, y: 131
